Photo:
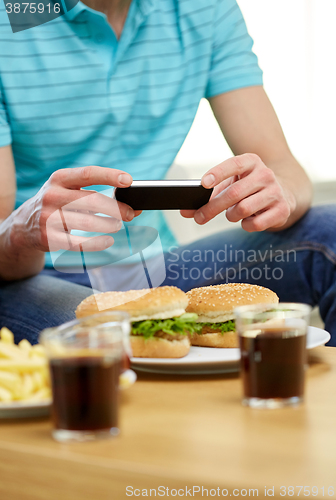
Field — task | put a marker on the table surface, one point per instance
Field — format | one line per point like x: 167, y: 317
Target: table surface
x: 184, y: 431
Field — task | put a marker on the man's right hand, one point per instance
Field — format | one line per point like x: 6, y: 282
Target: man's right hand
x: 43, y: 223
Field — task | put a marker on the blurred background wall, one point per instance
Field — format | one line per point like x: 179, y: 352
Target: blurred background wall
x: 295, y: 41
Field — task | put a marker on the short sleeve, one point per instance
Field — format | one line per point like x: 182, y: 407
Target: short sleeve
x: 5, y: 132
x: 233, y: 63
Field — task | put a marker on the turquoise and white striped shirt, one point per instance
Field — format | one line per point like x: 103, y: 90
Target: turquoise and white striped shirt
x: 71, y: 94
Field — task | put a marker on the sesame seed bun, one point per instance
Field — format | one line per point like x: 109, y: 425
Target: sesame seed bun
x: 155, y: 303
x: 215, y: 304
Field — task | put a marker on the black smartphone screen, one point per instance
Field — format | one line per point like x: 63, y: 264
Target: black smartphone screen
x: 164, y: 195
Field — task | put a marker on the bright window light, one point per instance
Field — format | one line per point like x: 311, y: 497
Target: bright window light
x: 295, y: 41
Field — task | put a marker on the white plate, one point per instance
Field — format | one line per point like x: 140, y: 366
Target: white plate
x: 24, y: 409
x: 203, y: 360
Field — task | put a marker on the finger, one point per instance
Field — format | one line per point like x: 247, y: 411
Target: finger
x: 229, y: 198
x: 238, y: 198
x: 75, y: 178
x: 250, y: 205
x: 214, y: 207
x: 223, y: 185
x: 95, y: 244
x: 188, y: 214
x: 237, y: 191
x: 247, y: 207
x: 59, y: 196
x: 91, y: 201
x: 61, y: 240
x: 238, y: 165
x: 86, y: 222
x: 275, y: 216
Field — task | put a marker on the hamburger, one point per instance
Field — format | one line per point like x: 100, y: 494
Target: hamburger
x: 160, y: 327
x: 214, y: 307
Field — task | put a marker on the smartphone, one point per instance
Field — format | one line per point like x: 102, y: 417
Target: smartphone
x: 164, y: 195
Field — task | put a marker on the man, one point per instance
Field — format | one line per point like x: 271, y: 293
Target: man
x: 108, y: 92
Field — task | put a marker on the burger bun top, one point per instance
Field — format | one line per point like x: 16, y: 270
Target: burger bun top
x: 215, y: 304
x: 155, y: 303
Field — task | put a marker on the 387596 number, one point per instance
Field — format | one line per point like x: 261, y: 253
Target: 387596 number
x: 32, y: 8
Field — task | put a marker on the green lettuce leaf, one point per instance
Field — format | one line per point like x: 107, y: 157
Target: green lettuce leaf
x: 182, y: 326
x: 227, y: 326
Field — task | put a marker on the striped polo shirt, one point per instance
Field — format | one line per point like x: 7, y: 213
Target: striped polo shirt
x: 72, y: 94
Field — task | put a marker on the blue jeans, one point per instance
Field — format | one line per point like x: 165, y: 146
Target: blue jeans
x: 299, y: 264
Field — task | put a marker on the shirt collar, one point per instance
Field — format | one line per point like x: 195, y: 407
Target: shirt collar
x: 75, y: 11
x: 145, y: 6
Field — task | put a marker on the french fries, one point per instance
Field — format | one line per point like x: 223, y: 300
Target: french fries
x: 24, y: 374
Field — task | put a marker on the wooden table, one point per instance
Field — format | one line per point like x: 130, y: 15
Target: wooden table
x: 180, y: 432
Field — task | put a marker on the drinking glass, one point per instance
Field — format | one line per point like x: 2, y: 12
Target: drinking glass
x: 85, y: 360
x: 108, y: 317
x: 272, y: 340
